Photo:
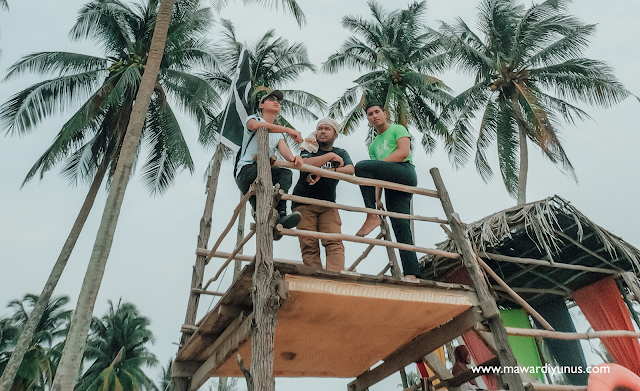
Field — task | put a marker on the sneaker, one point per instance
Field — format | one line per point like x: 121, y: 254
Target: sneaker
x: 289, y: 221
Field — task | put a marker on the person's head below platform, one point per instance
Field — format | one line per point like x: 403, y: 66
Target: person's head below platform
x: 376, y: 115
x: 327, y: 132
x: 270, y: 104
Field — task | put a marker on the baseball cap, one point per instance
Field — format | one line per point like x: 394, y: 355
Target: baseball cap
x: 277, y: 93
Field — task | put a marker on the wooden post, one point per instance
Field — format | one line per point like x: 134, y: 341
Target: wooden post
x: 510, y: 381
x: 393, y: 261
x: 237, y: 267
x: 265, y: 299
x: 181, y: 383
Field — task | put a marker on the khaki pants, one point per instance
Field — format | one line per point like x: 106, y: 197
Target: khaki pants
x: 321, y: 219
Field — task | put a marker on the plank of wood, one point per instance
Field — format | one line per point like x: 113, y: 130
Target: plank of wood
x: 227, y: 344
x: 530, y: 261
x: 358, y: 239
x: 357, y: 180
x: 417, y: 348
x: 241, y: 257
x: 184, y: 368
x: 516, y: 296
x: 329, y: 204
x: 571, y: 336
x: 226, y: 230
x: 365, y: 253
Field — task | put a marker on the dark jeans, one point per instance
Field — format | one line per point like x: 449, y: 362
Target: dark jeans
x: 248, y: 174
x: 395, y: 201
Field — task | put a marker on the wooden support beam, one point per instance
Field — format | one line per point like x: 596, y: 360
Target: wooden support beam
x: 587, y: 250
x: 393, y: 260
x: 228, y: 343
x: 417, y: 348
x: 188, y: 329
x: 184, y: 368
x: 358, y: 239
x: 241, y: 257
x: 329, y: 204
x: 510, y: 381
x: 226, y: 230
x: 365, y: 253
x: 204, y: 292
x: 357, y: 180
x: 558, y: 265
x: 533, y: 290
x: 437, y: 366
x: 232, y: 256
x: 516, y: 296
x: 515, y: 331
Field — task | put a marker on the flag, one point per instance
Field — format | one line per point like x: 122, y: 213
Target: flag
x: 239, y: 106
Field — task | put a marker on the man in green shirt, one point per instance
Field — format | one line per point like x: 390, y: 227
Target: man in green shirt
x: 391, y: 161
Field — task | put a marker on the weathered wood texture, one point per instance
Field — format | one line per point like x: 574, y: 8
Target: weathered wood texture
x: 329, y: 204
x: 529, y: 261
x: 417, y: 348
x: 509, y: 381
x: 516, y: 296
x: 236, y: 212
x: 224, y: 347
x: 358, y: 239
x: 365, y: 253
x: 265, y: 299
x: 359, y: 181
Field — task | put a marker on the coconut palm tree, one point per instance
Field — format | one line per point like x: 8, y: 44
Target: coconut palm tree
x: 4, y: 5
x: 39, y: 364
x: 274, y: 64
x: 395, y: 51
x: 118, y: 348
x: 72, y: 356
x: 90, y: 142
x: 529, y: 72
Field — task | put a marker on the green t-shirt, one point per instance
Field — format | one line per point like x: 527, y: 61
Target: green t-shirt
x: 387, y: 142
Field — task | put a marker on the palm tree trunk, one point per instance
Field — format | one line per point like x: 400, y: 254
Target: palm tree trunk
x: 72, y: 354
x: 36, y: 314
x: 524, y: 167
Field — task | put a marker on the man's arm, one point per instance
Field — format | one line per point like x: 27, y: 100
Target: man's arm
x: 288, y: 155
x: 403, y: 148
x: 253, y: 125
x: 319, y: 161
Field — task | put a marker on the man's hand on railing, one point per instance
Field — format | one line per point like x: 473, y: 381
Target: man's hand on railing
x: 297, y: 161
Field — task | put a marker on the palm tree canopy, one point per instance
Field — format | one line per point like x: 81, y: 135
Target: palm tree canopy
x: 118, y: 345
x: 529, y: 71
x: 105, y: 87
x: 41, y: 359
x: 4, y: 5
x: 274, y: 64
x: 396, y: 52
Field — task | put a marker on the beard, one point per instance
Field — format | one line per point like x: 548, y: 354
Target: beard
x: 325, y: 145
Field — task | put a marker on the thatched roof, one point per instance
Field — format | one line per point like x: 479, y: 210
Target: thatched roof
x: 552, y: 230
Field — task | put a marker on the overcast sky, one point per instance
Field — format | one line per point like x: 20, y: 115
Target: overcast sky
x: 153, y: 250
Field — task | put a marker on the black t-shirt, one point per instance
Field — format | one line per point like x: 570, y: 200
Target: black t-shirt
x: 325, y: 188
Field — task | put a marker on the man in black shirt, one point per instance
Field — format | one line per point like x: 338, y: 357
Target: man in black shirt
x: 321, y: 218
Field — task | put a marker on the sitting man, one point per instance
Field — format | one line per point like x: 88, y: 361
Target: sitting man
x: 247, y: 170
x: 322, y: 218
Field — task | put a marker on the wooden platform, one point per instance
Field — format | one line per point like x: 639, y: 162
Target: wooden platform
x: 329, y: 325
